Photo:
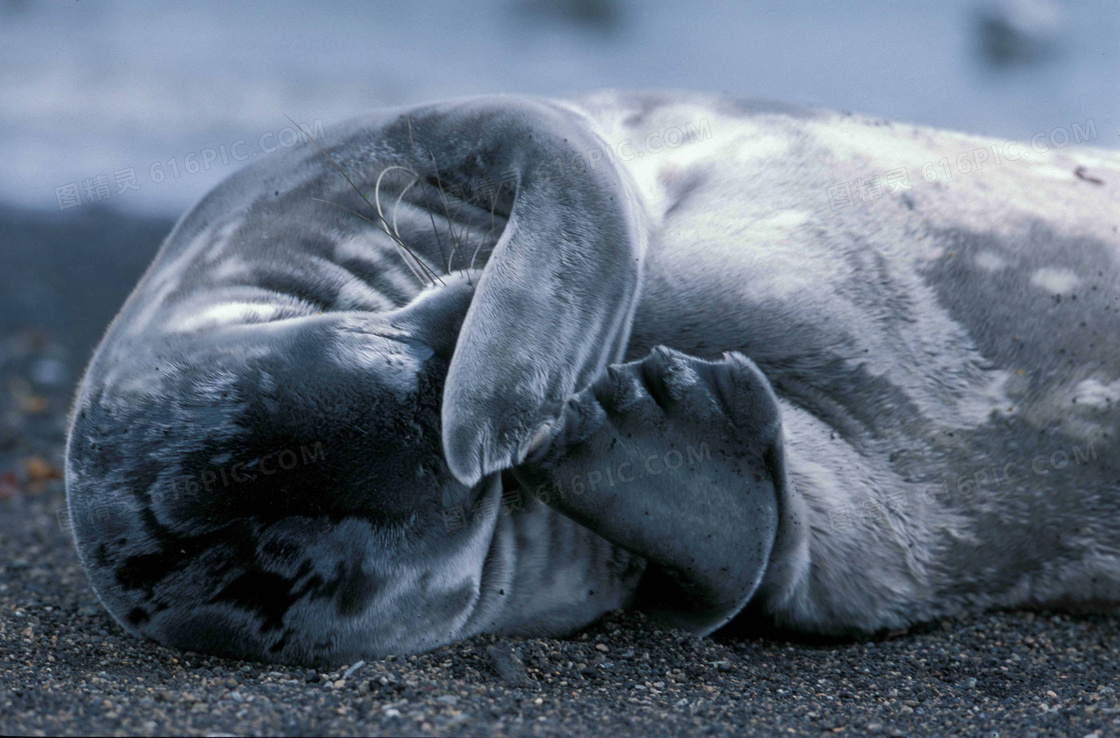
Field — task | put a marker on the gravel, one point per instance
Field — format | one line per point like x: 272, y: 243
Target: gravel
x: 66, y: 668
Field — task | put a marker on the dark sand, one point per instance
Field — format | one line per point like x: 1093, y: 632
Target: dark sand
x: 66, y: 668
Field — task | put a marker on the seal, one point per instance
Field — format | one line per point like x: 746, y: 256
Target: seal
x: 505, y: 364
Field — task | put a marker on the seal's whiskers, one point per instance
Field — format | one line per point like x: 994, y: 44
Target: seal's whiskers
x: 447, y: 214
x: 432, y: 276
x: 395, y: 236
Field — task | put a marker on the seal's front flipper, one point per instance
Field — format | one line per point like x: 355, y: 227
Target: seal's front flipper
x: 555, y: 301
x: 678, y: 460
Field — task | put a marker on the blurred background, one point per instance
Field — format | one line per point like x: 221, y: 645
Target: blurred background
x: 92, y: 88
x: 117, y: 115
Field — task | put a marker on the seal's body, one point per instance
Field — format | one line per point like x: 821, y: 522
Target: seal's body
x: 698, y: 356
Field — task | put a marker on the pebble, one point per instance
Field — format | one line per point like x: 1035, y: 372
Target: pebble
x: 508, y: 665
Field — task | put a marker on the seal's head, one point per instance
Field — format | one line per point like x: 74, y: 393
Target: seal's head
x: 265, y: 443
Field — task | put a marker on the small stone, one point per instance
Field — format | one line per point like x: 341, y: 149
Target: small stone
x: 447, y: 699
x: 9, y: 486
x: 33, y: 404
x: 40, y: 470
x: 507, y: 662
x: 907, y: 710
x: 601, y: 647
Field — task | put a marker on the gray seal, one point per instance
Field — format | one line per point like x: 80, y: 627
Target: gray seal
x: 505, y: 364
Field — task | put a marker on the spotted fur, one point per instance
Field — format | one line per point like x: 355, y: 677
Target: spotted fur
x: 318, y: 431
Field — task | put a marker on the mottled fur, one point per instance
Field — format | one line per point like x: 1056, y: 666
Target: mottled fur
x: 838, y: 480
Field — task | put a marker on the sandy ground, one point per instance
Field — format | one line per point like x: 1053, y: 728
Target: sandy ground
x: 66, y: 668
